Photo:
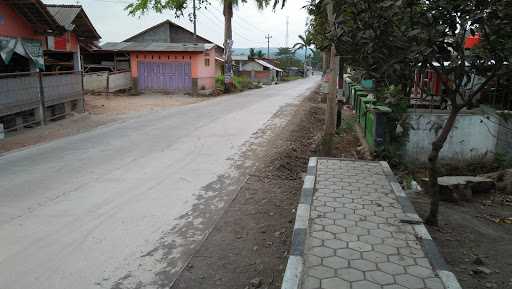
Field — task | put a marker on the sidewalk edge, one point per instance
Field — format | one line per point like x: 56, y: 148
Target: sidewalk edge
x: 436, y: 259
x: 293, y: 275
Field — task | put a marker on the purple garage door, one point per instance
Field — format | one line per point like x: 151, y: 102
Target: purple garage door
x: 165, y: 75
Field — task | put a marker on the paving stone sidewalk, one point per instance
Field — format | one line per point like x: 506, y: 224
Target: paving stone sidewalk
x: 356, y: 239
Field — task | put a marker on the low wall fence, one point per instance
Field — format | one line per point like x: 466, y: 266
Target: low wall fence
x: 37, y: 90
x: 106, y: 81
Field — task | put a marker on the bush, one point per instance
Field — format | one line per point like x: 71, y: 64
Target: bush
x: 219, y: 82
x: 240, y: 82
x: 290, y: 78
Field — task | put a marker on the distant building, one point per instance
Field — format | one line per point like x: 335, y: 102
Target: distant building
x: 167, y: 57
x: 257, y: 69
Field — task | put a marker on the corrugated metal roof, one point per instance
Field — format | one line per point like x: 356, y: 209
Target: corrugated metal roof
x: 153, y: 46
x: 267, y: 64
x: 65, y: 14
x: 240, y: 57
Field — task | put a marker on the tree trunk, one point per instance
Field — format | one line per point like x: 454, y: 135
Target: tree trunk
x: 433, y: 171
x: 228, y: 44
x: 330, y: 120
x: 324, y: 62
x: 305, y: 62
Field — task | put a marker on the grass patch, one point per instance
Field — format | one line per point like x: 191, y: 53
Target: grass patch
x: 291, y: 78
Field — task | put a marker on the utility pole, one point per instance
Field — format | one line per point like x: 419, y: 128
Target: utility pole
x: 268, y: 37
x: 287, y: 30
x: 194, y: 15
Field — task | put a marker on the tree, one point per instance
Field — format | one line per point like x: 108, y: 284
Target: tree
x: 285, y: 58
x: 260, y: 54
x: 179, y: 6
x: 387, y: 40
x: 252, y: 53
x: 305, y: 43
x: 465, y: 74
x: 316, y: 59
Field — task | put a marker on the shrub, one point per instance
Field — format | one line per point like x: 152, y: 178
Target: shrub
x: 240, y: 82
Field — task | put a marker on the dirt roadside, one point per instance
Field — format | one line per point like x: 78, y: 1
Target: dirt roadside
x: 469, y: 239
x: 248, y: 247
x: 100, y: 110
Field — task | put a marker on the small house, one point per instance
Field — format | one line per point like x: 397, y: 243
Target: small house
x: 259, y: 70
x: 168, y: 57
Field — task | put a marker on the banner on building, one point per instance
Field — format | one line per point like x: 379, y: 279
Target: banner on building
x: 31, y: 49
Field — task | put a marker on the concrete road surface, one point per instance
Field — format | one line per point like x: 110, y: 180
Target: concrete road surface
x: 124, y: 206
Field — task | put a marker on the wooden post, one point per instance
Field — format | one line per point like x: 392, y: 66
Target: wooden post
x: 107, y: 88
x: 82, y: 74
x: 42, y: 100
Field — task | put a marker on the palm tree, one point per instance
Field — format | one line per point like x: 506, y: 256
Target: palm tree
x: 305, y: 43
x: 139, y: 7
x: 260, y: 54
x: 252, y: 53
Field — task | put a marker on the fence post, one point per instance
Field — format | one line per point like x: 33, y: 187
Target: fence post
x: 108, y: 82
x: 42, y: 101
x: 82, y: 74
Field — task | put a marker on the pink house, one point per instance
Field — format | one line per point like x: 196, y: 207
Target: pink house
x: 167, y: 57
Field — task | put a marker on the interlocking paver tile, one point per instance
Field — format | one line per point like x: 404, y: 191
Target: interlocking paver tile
x: 386, y: 249
x: 391, y: 268
x: 350, y: 274
x: 322, y: 252
x: 401, y: 260
x: 335, y: 244
x: 356, y: 240
x: 321, y: 272
x: 335, y: 283
x: 311, y: 283
x: 363, y: 265
x: 379, y: 277
x: 375, y: 256
x: 335, y: 262
x: 360, y: 246
x: 323, y: 235
x: 419, y: 271
x: 372, y: 240
x: 365, y: 285
x: 348, y: 254
x: 409, y: 281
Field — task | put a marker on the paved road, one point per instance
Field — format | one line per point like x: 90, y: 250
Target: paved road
x: 124, y: 205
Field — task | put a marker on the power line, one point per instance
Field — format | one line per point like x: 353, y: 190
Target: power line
x: 214, y: 18
x: 242, y: 21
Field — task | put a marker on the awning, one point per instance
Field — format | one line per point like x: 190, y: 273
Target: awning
x: 29, y: 48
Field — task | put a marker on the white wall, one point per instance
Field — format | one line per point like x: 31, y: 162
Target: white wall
x: 119, y: 81
x: 473, y: 136
x: 97, y: 81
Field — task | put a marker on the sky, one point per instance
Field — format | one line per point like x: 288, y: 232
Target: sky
x: 250, y: 25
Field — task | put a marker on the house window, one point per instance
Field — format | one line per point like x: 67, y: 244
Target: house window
x: 206, y: 62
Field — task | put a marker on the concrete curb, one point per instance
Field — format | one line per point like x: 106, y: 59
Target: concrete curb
x: 410, y: 216
x: 293, y: 275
